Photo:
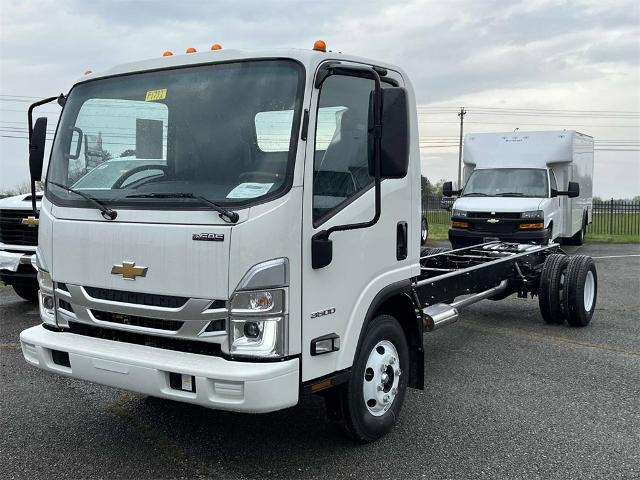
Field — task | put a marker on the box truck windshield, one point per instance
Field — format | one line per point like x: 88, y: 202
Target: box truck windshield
x: 222, y: 132
x: 506, y: 182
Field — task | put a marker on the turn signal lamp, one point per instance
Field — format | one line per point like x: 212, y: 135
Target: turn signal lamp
x: 191, y: 50
x: 320, y: 46
x: 531, y: 226
x: 88, y: 72
x: 455, y: 224
x: 216, y: 46
x: 167, y: 54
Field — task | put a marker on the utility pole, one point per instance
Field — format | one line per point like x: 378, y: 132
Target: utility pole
x: 461, y: 114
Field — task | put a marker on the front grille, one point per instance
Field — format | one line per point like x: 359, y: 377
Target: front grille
x: 137, y: 298
x: 136, y: 321
x: 511, y: 215
x: 506, y: 227
x: 202, y: 348
x: 13, y: 232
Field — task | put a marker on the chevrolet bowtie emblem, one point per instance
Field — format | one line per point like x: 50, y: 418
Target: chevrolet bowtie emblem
x: 30, y: 221
x: 129, y: 271
x: 493, y: 220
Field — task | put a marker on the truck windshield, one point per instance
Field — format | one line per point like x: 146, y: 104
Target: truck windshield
x: 224, y: 132
x: 507, y: 182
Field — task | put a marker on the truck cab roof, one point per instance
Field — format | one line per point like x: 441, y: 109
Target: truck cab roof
x: 310, y: 59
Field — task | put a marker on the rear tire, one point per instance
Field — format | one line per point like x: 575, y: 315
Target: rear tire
x: 369, y: 404
x: 551, y: 288
x: 27, y: 292
x: 581, y: 290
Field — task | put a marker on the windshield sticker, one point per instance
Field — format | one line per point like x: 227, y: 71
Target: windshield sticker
x: 153, y: 95
x: 249, y: 190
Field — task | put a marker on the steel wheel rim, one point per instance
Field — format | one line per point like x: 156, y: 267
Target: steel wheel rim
x: 381, y: 378
x: 589, y: 291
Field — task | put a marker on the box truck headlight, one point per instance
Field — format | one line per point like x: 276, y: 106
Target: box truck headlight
x: 532, y: 214
x: 258, y: 312
x: 46, y: 298
x: 458, y: 213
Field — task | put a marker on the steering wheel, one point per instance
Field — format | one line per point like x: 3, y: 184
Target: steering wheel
x: 259, y: 176
x: 121, y: 179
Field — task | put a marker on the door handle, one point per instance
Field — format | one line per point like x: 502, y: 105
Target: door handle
x: 401, y: 241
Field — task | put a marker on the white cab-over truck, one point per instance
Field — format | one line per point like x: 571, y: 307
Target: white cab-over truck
x: 524, y: 187
x: 269, y: 250
x: 18, y: 241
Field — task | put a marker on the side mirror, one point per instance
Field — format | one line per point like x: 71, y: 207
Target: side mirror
x: 573, y: 190
x: 394, y: 141
x: 448, y: 191
x: 36, y: 148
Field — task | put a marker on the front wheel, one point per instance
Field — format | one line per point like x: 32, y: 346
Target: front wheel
x: 424, y: 231
x: 27, y: 292
x: 369, y: 403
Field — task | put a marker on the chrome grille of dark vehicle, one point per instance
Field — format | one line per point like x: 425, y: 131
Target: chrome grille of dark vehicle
x: 136, y: 321
x: 137, y: 298
x: 512, y: 215
x: 13, y: 232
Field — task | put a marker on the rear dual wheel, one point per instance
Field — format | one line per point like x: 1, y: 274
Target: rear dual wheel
x: 568, y: 289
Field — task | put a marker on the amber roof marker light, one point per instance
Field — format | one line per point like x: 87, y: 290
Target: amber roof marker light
x: 216, y: 46
x: 320, y: 46
x: 167, y: 54
x: 88, y: 72
x: 191, y: 50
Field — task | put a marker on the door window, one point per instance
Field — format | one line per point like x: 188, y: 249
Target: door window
x: 340, y: 169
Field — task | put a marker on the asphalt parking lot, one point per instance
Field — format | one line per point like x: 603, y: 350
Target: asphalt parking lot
x: 506, y: 396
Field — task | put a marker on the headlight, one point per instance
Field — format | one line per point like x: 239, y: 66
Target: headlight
x: 46, y: 298
x: 532, y: 214
x: 259, y: 316
x: 458, y: 213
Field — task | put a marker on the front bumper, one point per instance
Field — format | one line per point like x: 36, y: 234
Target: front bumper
x: 221, y: 384
x: 460, y: 237
x: 17, y: 268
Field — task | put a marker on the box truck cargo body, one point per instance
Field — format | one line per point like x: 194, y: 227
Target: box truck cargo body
x: 524, y: 186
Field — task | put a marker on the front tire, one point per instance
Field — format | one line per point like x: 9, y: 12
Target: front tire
x: 369, y: 404
x: 27, y: 292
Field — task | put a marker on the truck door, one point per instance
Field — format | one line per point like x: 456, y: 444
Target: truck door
x: 338, y: 190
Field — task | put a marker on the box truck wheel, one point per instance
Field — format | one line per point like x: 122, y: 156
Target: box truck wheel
x: 27, y: 292
x: 552, y: 287
x: 424, y: 231
x: 369, y: 403
x: 581, y: 290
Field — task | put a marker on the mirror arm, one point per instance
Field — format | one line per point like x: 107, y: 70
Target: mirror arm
x: 322, y: 249
x: 30, y: 127
x: 377, y: 139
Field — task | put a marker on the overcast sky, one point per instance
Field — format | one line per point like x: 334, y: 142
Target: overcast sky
x: 535, y: 54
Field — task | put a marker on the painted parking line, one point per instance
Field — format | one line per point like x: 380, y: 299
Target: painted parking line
x: 618, y: 256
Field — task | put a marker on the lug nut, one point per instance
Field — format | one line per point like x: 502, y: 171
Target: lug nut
x: 380, y: 387
x: 385, y: 378
x: 392, y: 360
x: 386, y: 399
x: 398, y: 372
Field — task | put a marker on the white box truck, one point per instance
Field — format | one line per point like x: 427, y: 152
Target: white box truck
x: 238, y: 270
x: 524, y: 187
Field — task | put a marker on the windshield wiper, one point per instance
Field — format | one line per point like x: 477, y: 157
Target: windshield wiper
x: 224, y: 213
x: 510, y: 194
x: 475, y: 194
x: 107, y: 212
